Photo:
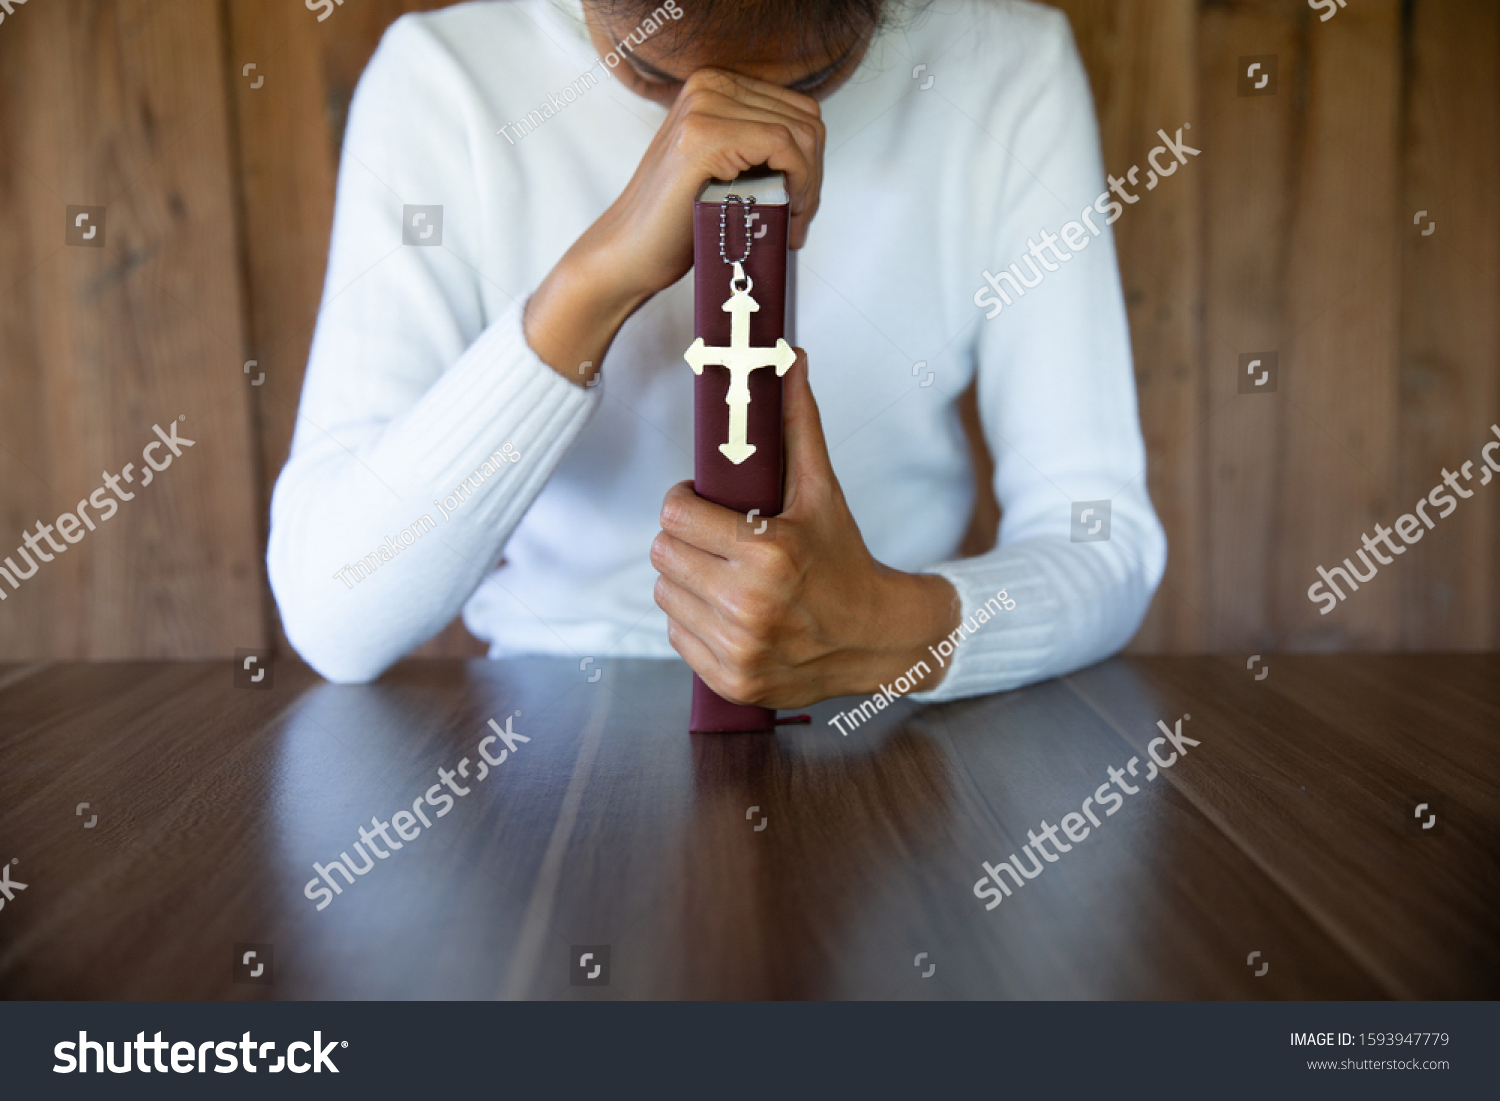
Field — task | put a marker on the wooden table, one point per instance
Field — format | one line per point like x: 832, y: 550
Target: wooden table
x: 800, y: 864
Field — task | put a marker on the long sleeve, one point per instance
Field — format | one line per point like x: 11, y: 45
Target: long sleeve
x: 501, y: 124
x: 1057, y: 401
x: 419, y: 374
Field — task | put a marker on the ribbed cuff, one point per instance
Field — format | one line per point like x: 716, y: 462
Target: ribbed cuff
x: 498, y: 394
x: 1010, y: 619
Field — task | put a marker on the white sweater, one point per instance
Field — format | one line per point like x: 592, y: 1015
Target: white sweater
x: 420, y: 372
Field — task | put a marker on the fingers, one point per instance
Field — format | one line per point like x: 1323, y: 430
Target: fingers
x: 726, y: 144
x: 681, y: 563
x: 798, y: 101
x: 786, y: 134
x: 728, y: 661
x: 807, y: 129
x: 747, y: 134
x: 689, y: 611
x: 808, y: 469
x: 701, y: 524
x: 720, y: 125
x: 698, y: 656
x: 752, y: 90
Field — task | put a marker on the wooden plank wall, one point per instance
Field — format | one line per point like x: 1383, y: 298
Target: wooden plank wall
x: 122, y: 106
x: 1388, y: 341
x: 1450, y: 316
x: 1292, y: 231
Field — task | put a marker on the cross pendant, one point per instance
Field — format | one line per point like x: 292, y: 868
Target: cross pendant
x: 741, y: 359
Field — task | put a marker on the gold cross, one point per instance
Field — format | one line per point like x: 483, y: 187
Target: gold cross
x: 741, y: 359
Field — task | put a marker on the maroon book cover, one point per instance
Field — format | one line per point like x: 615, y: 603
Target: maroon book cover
x: 737, y: 455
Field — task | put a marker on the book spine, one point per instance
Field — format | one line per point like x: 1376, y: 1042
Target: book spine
x: 756, y: 482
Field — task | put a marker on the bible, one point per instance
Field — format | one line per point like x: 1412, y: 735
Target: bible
x: 740, y: 319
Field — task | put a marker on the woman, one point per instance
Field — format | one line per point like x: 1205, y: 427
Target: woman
x: 547, y: 303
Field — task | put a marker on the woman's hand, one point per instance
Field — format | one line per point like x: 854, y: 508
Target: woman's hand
x: 721, y: 124
x: 803, y: 615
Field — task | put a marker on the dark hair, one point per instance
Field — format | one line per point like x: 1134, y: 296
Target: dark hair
x: 829, y: 24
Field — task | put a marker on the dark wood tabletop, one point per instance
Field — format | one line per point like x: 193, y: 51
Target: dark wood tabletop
x: 794, y: 864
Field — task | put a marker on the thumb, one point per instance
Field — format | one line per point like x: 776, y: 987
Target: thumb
x: 808, y: 468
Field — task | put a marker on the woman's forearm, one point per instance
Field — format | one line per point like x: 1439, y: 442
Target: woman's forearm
x: 381, y: 530
x: 572, y: 318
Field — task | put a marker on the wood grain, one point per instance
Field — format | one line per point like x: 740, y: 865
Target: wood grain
x: 1286, y: 831
x: 1338, y: 382
x: 1315, y: 774
x: 1450, y: 326
x: 121, y: 105
x: 1249, y: 170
